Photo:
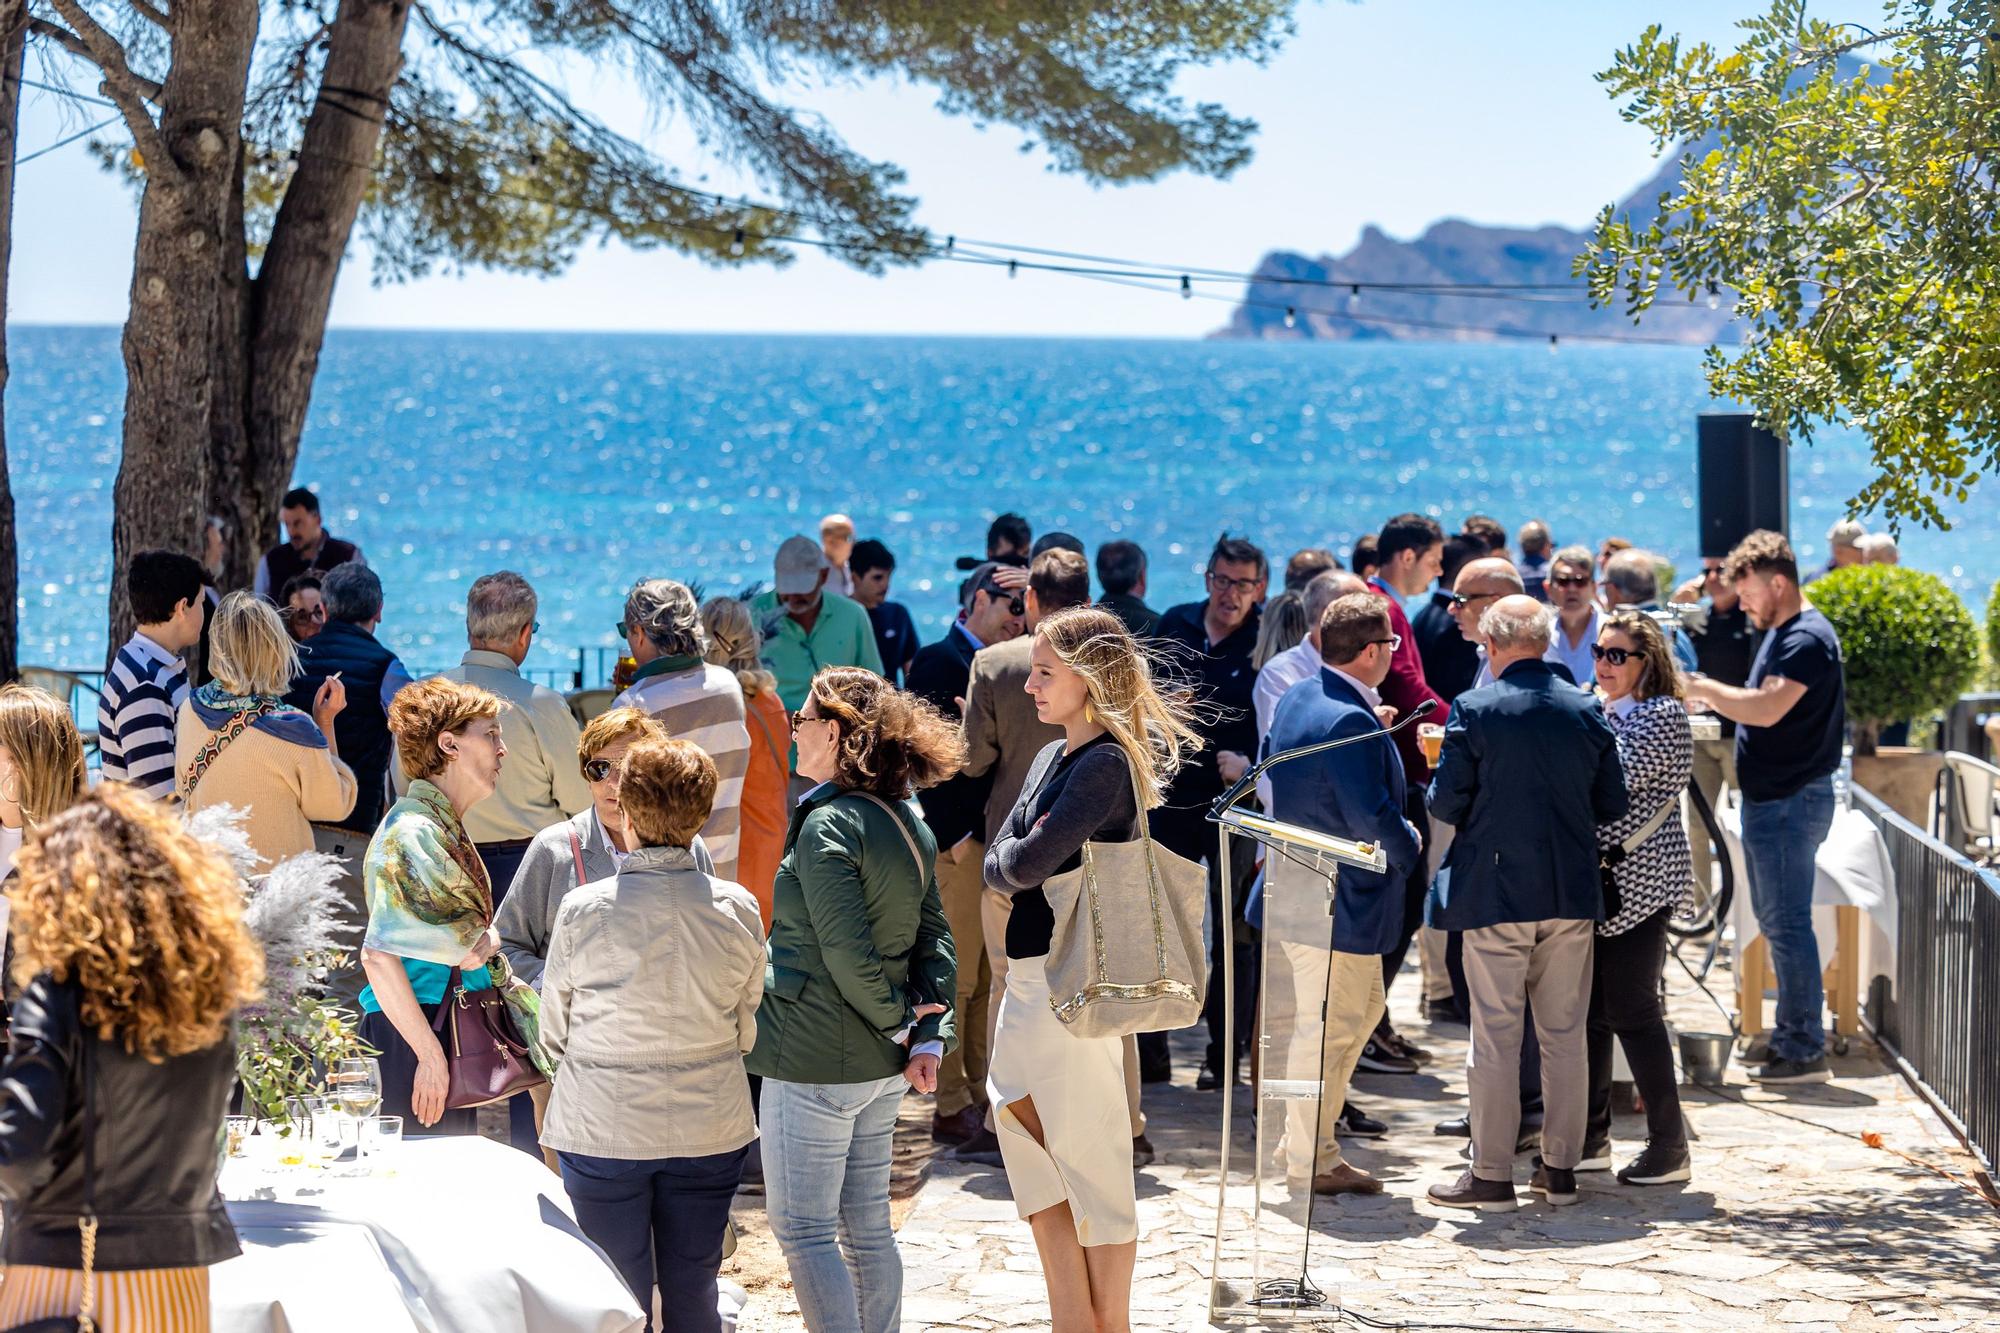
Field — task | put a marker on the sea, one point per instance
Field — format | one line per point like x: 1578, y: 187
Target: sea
x: 586, y: 461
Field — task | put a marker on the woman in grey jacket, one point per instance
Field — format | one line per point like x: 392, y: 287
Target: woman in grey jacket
x: 581, y: 850
x: 649, y: 1000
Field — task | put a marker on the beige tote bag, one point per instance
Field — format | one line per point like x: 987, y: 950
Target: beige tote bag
x: 1126, y: 954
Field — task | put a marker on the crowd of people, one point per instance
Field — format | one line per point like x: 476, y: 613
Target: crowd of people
x: 796, y: 870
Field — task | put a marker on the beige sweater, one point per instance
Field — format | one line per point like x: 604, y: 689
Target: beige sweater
x: 283, y: 787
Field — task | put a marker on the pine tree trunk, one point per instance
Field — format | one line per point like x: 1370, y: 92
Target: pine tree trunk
x: 177, y: 284
x: 293, y: 291
x: 13, y: 45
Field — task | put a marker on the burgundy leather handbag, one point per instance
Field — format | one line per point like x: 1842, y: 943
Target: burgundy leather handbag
x: 485, y: 1059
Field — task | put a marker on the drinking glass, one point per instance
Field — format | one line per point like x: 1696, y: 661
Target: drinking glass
x: 236, y: 1130
x: 357, y: 1085
x: 381, y: 1136
x: 293, y: 1131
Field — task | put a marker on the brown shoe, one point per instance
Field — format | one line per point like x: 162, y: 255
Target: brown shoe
x: 1142, y: 1151
x: 1343, y: 1179
x: 958, y: 1126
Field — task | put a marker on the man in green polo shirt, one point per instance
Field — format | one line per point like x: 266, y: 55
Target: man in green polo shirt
x: 806, y: 628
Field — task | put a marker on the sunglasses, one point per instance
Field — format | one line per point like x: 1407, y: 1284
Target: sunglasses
x: 1571, y: 580
x: 1616, y: 656
x: 1017, y: 605
x: 599, y: 769
x: 1460, y: 600
x: 802, y: 717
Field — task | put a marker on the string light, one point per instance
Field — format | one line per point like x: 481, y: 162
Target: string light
x: 1187, y: 288
x: 1291, y: 317
x: 1553, y: 345
x: 1353, y: 295
x: 1013, y: 268
x: 736, y: 242
x: 1714, y: 295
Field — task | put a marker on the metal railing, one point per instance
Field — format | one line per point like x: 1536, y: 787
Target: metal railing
x: 1940, y: 1018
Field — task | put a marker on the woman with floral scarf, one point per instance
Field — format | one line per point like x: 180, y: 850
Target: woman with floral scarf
x: 430, y: 906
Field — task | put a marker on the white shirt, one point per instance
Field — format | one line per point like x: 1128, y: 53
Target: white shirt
x: 1578, y: 659
x: 597, y: 827
x: 10, y: 843
x: 1369, y: 694
x: 1299, y: 662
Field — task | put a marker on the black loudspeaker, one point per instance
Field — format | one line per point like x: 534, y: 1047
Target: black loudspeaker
x: 1743, y: 481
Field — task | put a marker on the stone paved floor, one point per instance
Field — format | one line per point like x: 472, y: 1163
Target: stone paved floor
x: 1785, y: 1225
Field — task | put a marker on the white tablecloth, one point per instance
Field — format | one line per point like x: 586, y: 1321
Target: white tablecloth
x: 466, y: 1236
x: 1853, y: 870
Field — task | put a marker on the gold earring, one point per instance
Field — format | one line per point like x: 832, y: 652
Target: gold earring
x: 1088, y: 716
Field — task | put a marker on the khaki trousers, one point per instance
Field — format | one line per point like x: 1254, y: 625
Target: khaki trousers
x: 1507, y: 966
x: 1347, y: 989
x: 962, y: 1074
x: 1430, y: 943
x: 995, y: 908
x: 1714, y: 766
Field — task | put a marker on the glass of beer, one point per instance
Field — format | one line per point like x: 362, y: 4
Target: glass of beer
x: 1431, y: 736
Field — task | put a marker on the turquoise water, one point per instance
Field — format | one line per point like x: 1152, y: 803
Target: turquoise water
x: 585, y: 461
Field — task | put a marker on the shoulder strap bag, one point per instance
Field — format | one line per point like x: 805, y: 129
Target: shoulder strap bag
x: 916, y: 853
x: 1609, y: 858
x: 485, y: 1058
x: 1126, y: 953
x: 85, y: 1319
x: 212, y: 749
x: 576, y: 853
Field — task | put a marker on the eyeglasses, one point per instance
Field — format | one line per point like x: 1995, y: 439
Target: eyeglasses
x: 1615, y: 656
x: 1223, y: 583
x: 599, y: 769
x: 1394, y: 641
x: 1571, y: 580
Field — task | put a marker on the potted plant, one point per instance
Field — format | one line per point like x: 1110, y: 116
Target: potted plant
x: 1910, y: 648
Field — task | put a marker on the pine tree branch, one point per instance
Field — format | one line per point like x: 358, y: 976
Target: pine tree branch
x: 128, y: 90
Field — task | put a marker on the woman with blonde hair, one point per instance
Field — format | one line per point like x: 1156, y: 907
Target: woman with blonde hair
x: 857, y: 997
x: 238, y: 743
x: 41, y: 766
x: 430, y: 904
x: 733, y: 642
x: 1641, y: 685
x: 1058, y: 1098
x: 130, y: 945
x: 1282, y: 626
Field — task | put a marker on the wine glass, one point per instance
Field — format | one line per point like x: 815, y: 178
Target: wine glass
x: 357, y: 1086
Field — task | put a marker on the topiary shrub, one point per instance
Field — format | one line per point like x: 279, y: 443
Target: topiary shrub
x: 1993, y: 638
x: 1909, y: 643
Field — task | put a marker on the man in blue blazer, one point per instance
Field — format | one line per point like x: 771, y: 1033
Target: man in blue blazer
x: 1356, y: 792
x: 1529, y: 771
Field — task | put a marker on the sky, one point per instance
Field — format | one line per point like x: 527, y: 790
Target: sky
x: 1390, y: 112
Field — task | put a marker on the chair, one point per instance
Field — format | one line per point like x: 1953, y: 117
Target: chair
x: 587, y: 704
x: 69, y: 687
x: 1969, y: 803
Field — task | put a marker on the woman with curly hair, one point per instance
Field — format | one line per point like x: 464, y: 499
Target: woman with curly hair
x: 430, y: 904
x: 41, y: 765
x: 1058, y: 1098
x: 130, y: 946
x: 857, y: 995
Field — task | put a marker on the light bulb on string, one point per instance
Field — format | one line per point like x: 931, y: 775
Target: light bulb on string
x: 1187, y: 288
x: 1013, y: 268
x: 1714, y: 295
x: 950, y: 242
x: 1353, y: 295
x: 736, y: 242
x: 1554, y: 345
x: 1291, y: 318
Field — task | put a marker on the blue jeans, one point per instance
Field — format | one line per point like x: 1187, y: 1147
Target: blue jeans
x: 1779, y: 840
x: 661, y: 1222
x: 826, y: 1188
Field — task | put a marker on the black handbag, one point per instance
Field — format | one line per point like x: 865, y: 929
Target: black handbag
x: 85, y: 1318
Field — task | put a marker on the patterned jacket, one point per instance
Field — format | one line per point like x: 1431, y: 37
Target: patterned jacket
x: 1656, y: 748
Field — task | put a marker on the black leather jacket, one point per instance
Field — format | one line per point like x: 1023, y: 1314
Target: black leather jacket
x: 158, y: 1144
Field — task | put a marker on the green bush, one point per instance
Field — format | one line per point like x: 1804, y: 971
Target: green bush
x: 1910, y: 645
x: 1993, y: 639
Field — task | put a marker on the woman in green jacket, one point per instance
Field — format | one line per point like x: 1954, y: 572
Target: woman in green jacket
x: 857, y: 994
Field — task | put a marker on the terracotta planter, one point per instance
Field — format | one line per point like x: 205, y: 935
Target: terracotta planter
x: 1902, y: 778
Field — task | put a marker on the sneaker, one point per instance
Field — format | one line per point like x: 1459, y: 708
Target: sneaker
x: 1757, y: 1052
x: 1142, y: 1151
x: 1400, y: 1045
x: 1356, y: 1123
x: 1596, y: 1156
x: 1377, y: 1058
x: 1780, y: 1070
x: 1555, y: 1184
x: 1659, y: 1164
x: 1469, y: 1191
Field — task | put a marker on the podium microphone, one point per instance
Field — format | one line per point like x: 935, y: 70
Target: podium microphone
x: 1249, y: 778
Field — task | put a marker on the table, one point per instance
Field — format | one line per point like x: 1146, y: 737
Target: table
x: 464, y: 1236
x: 1853, y: 893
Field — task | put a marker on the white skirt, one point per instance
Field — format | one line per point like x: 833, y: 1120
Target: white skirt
x: 1078, y: 1088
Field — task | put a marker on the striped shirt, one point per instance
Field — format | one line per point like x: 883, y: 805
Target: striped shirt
x: 698, y: 702
x: 135, y: 717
